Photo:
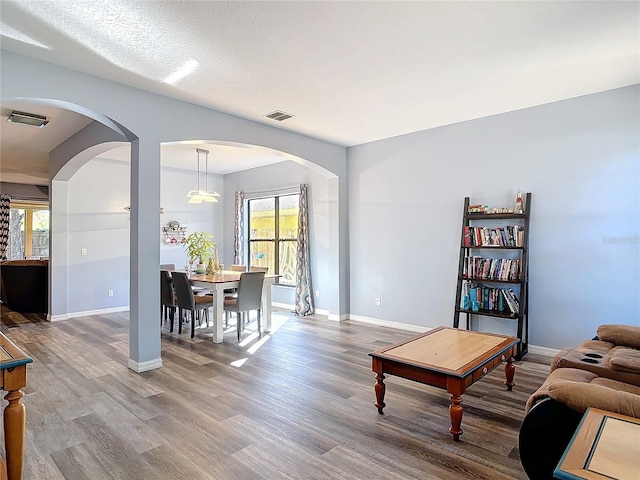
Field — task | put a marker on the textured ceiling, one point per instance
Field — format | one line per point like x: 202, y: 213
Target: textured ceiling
x: 350, y: 72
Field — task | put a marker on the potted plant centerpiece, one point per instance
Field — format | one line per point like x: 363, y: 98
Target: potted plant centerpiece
x: 199, y: 247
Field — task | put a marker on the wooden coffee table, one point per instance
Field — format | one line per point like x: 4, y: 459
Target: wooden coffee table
x: 447, y: 358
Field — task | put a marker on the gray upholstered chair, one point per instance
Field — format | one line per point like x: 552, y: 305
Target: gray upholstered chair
x: 249, y: 298
x: 187, y: 301
x: 259, y: 269
x: 167, y: 266
x: 167, y: 298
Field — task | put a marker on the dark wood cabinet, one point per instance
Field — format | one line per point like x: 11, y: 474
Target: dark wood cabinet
x: 493, y: 274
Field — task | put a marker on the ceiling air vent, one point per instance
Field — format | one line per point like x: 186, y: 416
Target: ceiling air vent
x: 279, y: 115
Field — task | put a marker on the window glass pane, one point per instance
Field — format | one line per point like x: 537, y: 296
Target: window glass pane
x: 15, y: 250
x: 288, y: 212
x: 40, y: 236
x: 288, y: 262
x: 262, y: 254
x: 262, y: 220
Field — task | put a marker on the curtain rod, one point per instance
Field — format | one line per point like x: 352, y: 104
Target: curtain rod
x: 273, y: 190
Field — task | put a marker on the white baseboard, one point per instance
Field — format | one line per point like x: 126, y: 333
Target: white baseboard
x: 140, y: 367
x: 550, y: 352
x: 284, y: 306
x: 385, y: 323
x: 291, y: 308
x: 334, y: 317
x: 87, y: 313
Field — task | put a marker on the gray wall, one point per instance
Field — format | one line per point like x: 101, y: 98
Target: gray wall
x: 25, y: 192
x: 580, y: 160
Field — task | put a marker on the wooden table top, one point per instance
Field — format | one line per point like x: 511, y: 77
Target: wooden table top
x: 605, y: 445
x: 446, y: 349
x: 10, y: 355
x: 221, y: 277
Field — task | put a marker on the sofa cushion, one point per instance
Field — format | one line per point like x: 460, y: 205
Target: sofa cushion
x: 614, y: 397
x: 625, y: 335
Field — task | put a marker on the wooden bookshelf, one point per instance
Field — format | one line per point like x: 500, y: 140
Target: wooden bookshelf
x: 512, y: 240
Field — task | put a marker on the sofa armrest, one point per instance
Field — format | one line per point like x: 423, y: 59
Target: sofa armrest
x: 625, y: 335
x: 579, y: 396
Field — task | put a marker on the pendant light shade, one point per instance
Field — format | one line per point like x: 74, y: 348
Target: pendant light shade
x: 198, y: 195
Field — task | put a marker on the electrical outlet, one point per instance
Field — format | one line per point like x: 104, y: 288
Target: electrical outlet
x: 109, y: 293
x: 317, y: 293
x: 83, y: 252
x: 378, y: 301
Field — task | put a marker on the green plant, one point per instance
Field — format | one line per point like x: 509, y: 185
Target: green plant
x: 199, y: 245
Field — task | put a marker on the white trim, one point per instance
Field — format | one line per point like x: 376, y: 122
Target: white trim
x: 550, y: 352
x: 385, y: 323
x: 337, y: 318
x: 86, y: 313
x: 140, y: 367
x: 284, y: 306
x: 291, y: 308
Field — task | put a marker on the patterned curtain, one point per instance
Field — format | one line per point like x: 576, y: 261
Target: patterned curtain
x: 238, y: 229
x: 5, y: 206
x: 304, y: 298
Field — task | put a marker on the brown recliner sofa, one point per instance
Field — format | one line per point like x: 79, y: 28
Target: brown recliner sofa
x: 24, y: 285
x: 601, y: 373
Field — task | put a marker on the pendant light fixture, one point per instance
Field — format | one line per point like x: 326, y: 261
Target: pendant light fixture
x: 199, y: 196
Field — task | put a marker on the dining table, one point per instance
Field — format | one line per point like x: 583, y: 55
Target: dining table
x: 223, y: 280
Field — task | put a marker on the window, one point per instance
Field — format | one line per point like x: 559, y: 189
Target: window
x: 273, y: 235
x: 28, y: 230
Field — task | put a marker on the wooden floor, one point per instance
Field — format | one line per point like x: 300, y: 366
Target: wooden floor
x: 297, y: 405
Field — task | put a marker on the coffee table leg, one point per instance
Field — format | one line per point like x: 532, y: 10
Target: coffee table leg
x: 509, y: 372
x: 380, y: 388
x: 455, y: 412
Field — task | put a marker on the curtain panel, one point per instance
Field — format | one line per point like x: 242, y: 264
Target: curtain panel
x: 5, y: 210
x: 304, y: 297
x: 238, y: 229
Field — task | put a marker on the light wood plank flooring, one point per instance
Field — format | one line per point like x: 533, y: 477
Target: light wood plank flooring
x: 298, y: 404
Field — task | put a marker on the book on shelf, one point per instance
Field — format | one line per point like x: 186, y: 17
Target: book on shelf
x: 505, y: 269
x: 507, y: 236
x: 490, y: 299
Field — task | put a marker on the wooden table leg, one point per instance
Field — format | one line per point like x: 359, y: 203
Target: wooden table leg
x: 380, y: 388
x: 455, y: 412
x: 14, y: 427
x: 509, y: 372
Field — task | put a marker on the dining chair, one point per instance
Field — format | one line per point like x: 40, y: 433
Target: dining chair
x: 249, y: 298
x: 167, y: 298
x: 187, y: 301
x: 167, y: 266
x: 259, y: 269
x: 238, y: 268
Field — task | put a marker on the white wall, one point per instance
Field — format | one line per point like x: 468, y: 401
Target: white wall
x: 580, y: 160
x: 277, y: 176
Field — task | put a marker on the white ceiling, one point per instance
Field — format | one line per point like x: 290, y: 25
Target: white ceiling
x: 350, y: 72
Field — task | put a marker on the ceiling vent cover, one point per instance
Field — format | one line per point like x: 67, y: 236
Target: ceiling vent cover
x: 279, y: 115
